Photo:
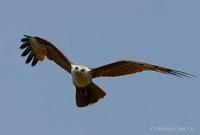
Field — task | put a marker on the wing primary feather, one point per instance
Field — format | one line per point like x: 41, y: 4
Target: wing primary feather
x: 181, y: 74
x: 25, y: 39
x: 26, y: 51
x: 35, y: 61
x: 27, y: 36
x: 24, y: 45
x: 175, y: 74
x: 30, y: 57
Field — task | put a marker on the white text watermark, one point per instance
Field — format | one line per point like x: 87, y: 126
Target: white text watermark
x: 172, y: 129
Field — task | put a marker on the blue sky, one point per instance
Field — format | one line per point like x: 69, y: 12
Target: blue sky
x: 40, y: 100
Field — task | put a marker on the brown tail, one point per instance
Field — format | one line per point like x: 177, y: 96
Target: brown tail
x: 88, y: 95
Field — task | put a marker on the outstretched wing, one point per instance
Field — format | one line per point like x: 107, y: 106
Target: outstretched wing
x: 126, y: 67
x: 39, y: 48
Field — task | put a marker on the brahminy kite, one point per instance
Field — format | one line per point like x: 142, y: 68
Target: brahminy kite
x: 87, y: 92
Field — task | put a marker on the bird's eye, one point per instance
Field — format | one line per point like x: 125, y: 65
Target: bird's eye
x: 76, y: 68
x: 82, y: 70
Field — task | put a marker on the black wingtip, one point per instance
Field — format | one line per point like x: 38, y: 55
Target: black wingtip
x: 27, y: 36
x: 34, y: 62
x: 182, y: 74
x: 24, y: 39
x: 30, y: 57
x: 24, y: 45
x: 26, y: 52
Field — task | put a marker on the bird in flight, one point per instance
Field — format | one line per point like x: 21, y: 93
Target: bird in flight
x: 87, y: 92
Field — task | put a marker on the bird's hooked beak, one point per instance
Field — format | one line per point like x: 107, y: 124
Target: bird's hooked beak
x: 80, y: 71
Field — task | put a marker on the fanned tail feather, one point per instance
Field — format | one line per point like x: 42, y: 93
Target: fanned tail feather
x: 88, y: 95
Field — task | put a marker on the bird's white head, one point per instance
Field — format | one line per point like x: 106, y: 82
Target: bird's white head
x: 81, y: 75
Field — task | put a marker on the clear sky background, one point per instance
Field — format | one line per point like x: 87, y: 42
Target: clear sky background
x: 41, y: 100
